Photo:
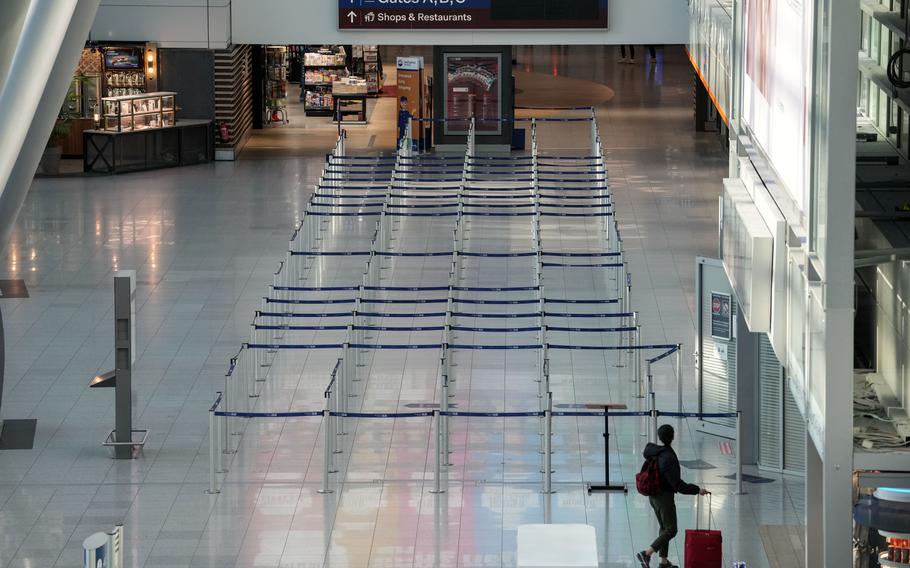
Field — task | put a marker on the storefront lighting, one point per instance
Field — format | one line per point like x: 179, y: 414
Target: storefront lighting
x: 150, y: 67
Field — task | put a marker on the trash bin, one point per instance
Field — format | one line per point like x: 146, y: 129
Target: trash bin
x: 518, y: 139
x: 96, y: 551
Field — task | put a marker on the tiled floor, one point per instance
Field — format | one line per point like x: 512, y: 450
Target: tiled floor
x: 206, y: 241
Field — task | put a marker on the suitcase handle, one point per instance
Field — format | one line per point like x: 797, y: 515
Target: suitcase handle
x: 698, y: 511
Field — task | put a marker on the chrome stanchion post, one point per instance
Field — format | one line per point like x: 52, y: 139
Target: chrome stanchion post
x: 326, y: 417
x: 219, y: 435
x: 341, y: 396
x: 437, y: 472
x: 213, y: 435
x: 548, y: 447
x: 336, y: 447
x: 225, y: 424
x: 739, y: 452
x: 652, y: 434
x: 445, y: 420
x: 637, y: 355
x: 546, y: 369
x: 679, y: 390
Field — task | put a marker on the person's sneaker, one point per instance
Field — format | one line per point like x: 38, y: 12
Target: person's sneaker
x: 622, y: 59
x: 644, y: 559
x: 668, y: 565
x: 632, y: 60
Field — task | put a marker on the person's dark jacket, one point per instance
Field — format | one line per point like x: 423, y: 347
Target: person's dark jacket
x: 668, y: 464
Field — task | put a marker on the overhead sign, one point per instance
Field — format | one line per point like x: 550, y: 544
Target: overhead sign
x: 471, y: 14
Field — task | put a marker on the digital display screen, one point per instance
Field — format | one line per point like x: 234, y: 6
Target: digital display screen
x: 553, y: 10
x: 122, y: 59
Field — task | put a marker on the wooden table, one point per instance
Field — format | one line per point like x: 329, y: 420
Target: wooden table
x: 338, y: 113
x: 606, y: 407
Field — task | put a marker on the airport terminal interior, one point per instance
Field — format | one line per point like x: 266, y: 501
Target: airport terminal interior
x: 416, y: 284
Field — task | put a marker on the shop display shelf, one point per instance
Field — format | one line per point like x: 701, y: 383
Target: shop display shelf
x: 883, y: 560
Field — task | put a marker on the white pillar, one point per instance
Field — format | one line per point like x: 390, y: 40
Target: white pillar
x: 834, y: 166
x: 12, y: 14
x: 39, y: 76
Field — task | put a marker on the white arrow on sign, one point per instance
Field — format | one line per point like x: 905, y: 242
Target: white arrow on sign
x: 352, y: 15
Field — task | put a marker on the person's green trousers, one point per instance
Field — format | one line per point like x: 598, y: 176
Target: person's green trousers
x: 664, y: 505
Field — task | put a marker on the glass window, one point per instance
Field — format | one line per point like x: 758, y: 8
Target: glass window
x: 885, y: 48
x: 873, y: 104
x: 818, y: 181
x: 903, y: 141
x: 865, y: 33
x: 875, y: 39
x: 796, y: 318
x: 884, y: 106
x: 816, y: 346
x: 893, y: 121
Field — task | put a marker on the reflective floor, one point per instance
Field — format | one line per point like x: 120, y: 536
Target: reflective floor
x: 206, y: 240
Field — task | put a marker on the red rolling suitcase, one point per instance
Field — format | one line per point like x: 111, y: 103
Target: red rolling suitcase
x: 703, y: 548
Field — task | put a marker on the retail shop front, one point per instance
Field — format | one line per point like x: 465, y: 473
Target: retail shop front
x: 119, y: 114
x: 316, y: 86
x: 374, y: 92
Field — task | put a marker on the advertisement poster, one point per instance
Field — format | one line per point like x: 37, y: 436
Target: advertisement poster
x: 472, y: 14
x: 122, y: 58
x: 721, y: 316
x: 775, y: 88
x: 473, y: 89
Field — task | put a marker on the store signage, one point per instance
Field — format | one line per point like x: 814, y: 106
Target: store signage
x: 721, y: 316
x: 471, y: 14
x: 410, y: 63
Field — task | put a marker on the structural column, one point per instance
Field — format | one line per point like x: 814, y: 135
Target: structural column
x: 831, y: 214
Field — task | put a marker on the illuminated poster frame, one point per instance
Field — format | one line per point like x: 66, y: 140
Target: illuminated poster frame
x: 467, y: 76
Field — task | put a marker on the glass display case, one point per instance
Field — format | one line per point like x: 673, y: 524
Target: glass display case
x: 139, y: 112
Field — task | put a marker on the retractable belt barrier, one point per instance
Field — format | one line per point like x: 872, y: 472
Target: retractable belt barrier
x: 553, y: 189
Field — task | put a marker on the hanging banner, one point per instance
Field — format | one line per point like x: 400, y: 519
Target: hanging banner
x: 471, y: 14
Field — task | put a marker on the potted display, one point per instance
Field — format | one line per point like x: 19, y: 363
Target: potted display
x: 53, y: 152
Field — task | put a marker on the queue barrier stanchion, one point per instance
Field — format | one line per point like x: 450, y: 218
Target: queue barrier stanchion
x: 739, y: 452
x: 638, y: 354
x: 214, y: 453
x: 679, y: 390
x: 326, y: 419
x: 548, y: 447
x: 437, y: 465
x: 444, y: 407
x: 439, y: 447
x: 652, y: 430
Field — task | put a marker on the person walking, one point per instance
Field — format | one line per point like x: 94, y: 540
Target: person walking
x: 664, y: 503
x: 622, y: 51
x: 404, y: 118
